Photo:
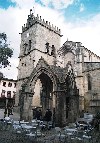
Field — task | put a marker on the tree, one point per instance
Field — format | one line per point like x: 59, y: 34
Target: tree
x: 5, y: 51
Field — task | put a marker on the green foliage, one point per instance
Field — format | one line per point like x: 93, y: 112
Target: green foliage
x: 5, y: 51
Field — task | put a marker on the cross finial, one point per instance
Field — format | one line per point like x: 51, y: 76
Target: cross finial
x: 30, y: 11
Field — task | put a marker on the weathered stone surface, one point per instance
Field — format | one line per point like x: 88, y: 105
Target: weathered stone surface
x: 53, y: 76
x: 45, y: 68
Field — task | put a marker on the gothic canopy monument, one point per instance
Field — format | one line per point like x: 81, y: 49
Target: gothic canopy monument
x: 45, y: 74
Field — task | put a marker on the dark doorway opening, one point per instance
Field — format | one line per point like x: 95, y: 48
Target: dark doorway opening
x: 67, y: 106
x: 46, y: 92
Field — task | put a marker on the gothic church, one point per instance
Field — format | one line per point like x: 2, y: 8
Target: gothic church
x: 54, y: 77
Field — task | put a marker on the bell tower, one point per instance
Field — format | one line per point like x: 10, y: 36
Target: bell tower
x: 38, y: 39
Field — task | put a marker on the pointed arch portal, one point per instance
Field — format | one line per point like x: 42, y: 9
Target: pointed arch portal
x: 46, y: 88
x: 43, y: 93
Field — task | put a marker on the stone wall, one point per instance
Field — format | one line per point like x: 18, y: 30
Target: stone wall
x: 92, y: 97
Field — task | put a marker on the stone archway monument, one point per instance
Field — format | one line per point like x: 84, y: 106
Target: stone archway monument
x: 60, y: 93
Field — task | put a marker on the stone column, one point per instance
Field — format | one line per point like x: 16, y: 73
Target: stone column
x: 16, y: 107
x: 59, y: 109
x: 74, y: 107
x: 26, y: 106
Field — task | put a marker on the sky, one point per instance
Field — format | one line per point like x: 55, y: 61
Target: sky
x: 79, y: 21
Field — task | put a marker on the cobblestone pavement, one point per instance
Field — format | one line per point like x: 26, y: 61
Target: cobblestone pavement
x: 8, y: 135
x: 15, y: 116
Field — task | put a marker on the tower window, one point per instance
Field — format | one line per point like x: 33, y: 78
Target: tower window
x: 53, y: 50
x: 47, y: 47
x: 30, y: 45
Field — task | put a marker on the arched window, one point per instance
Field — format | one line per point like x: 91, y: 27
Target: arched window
x: 47, y: 47
x: 89, y: 82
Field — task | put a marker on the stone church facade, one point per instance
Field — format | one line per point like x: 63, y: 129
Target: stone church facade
x: 50, y: 76
x: 86, y: 66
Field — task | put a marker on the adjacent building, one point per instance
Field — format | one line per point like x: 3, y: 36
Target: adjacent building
x: 7, y: 91
x: 86, y: 66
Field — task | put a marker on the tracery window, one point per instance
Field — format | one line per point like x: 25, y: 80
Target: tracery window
x: 89, y: 82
